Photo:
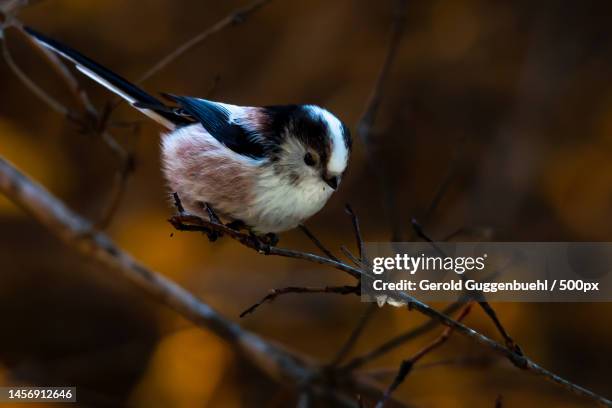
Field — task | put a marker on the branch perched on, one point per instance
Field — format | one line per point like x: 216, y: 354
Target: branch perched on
x: 189, y: 222
x: 78, y: 233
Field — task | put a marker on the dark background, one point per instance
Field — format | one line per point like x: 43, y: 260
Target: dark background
x: 512, y: 99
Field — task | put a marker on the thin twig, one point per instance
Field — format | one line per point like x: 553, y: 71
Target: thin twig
x: 446, y: 182
x: 234, y: 18
x: 368, y: 117
x: 78, y: 93
x: 274, y: 293
x: 190, y: 222
x: 89, y: 118
x: 430, y: 325
x: 117, y: 192
x: 480, y: 361
x: 357, y: 231
x: 407, y: 365
x: 318, y: 243
x: 364, y: 125
x: 510, y: 343
x: 355, y: 335
x: 77, y: 232
x: 398, y: 341
x: 347, y: 252
x: 31, y: 85
x: 482, y: 302
x: 480, y: 233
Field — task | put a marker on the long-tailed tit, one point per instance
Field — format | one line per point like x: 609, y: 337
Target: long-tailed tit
x: 269, y: 167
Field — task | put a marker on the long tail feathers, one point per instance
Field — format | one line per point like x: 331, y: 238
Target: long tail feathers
x: 138, y: 98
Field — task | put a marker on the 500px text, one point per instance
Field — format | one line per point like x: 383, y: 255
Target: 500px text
x: 541, y: 285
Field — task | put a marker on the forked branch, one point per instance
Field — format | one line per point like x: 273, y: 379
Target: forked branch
x: 78, y: 233
x: 190, y: 222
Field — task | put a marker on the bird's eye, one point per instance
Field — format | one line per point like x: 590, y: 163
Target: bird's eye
x: 309, y: 159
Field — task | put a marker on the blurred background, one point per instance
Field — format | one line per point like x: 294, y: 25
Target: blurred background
x: 508, y: 103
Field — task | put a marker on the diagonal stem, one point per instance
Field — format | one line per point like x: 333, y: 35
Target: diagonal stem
x: 274, y: 293
x: 355, y: 335
x: 408, y: 364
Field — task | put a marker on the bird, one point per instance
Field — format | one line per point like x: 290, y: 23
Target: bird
x: 267, y: 168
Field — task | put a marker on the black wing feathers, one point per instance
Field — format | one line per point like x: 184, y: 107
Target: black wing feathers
x: 217, y: 121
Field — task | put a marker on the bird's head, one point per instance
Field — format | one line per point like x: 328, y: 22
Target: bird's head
x: 313, y: 145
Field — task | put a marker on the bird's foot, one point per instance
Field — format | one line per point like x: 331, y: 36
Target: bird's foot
x: 236, y: 225
x: 271, y: 238
x: 214, y: 219
x: 213, y: 235
x: 260, y: 245
x: 263, y: 243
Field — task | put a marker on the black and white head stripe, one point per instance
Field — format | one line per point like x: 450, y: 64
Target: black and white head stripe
x: 339, y: 139
x: 314, y: 127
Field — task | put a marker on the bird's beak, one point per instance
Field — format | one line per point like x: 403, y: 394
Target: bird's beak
x: 331, y: 181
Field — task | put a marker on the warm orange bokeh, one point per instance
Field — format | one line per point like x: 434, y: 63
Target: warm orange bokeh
x: 518, y: 92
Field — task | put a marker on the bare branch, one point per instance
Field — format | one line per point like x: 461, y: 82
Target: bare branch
x: 234, y: 18
x: 355, y: 335
x: 445, y: 183
x: 274, y: 360
x: 407, y: 365
x: 274, y: 293
x: 367, y: 119
x: 62, y: 71
x: 399, y: 340
x: 88, y: 118
x: 464, y: 361
x: 488, y: 309
x: 519, y: 360
x: 364, y: 125
x: 364, y: 129
x: 78, y: 234
x: 481, y: 233
x: 357, y: 230
x: 189, y: 222
x: 318, y: 243
x: 31, y: 85
x: 347, y: 252
x: 119, y: 184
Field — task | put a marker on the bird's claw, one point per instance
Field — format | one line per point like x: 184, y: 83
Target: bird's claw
x: 213, y: 235
x: 272, y: 239
x: 263, y: 243
x: 236, y: 225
